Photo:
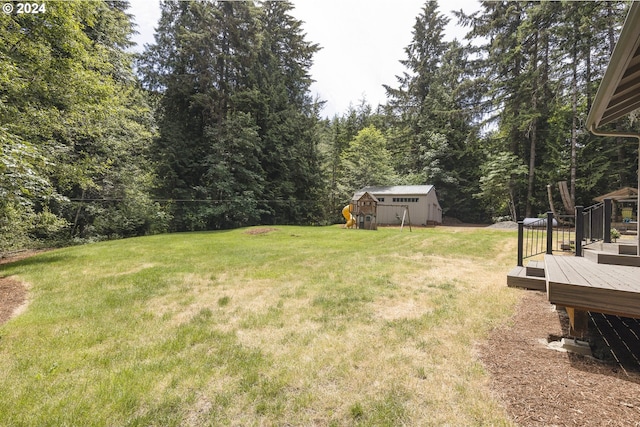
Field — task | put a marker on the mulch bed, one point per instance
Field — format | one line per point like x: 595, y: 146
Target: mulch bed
x: 544, y: 387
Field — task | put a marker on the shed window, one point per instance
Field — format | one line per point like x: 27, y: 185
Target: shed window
x: 406, y: 199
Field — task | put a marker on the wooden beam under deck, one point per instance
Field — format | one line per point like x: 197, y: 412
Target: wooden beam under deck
x: 584, y: 285
x: 578, y: 322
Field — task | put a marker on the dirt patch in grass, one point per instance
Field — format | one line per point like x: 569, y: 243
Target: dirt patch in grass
x: 541, y: 387
x: 260, y: 230
x: 13, y: 296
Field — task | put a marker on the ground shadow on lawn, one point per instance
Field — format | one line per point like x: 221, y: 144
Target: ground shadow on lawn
x: 28, y: 258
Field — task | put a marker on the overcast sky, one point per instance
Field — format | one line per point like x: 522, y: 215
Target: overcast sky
x: 362, y: 42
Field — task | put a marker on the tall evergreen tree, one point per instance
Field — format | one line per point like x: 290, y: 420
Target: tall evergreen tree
x: 287, y: 117
x: 200, y: 61
x: 538, y: 70
x: 506, y: 75
x: 217, y: 65
x: 417, y: 101
x: 597, y: 165
x: 431, y: 134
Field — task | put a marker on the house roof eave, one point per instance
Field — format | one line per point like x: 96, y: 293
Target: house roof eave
x: 619, y: 91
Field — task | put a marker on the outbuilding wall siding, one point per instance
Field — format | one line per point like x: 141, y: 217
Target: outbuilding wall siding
x: 424, y: 207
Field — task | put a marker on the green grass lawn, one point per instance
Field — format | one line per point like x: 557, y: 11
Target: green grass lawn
x: 299, y: 326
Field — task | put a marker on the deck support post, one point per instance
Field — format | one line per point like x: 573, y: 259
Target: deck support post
x: 579, y: 230
x: 578, y: 321
x: 549, y: 233
x: 520, y: 243
x: 607, y: 221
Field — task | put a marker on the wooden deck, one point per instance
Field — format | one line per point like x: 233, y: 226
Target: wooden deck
x: 518, y: 278
x: 604, y: 257
x: 585, y: 285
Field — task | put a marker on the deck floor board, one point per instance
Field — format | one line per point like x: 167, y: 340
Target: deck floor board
x: 580, y: 283
x: 579, y: 271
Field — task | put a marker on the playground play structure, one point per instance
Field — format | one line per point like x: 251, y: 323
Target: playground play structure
x: 362, y: 213
x: 346, y: 213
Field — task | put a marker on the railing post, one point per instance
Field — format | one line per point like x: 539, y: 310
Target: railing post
x: 579, y: 229
x: 520, y: 242
x: 591, y: 237
x: 549, y: 233
x: 607, y: 221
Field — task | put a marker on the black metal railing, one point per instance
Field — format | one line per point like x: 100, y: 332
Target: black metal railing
x: 596, y: 223
x: 545, y: 236
x: 566, y: 233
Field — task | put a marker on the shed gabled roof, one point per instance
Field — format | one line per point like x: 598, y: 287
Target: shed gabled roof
x: 621, y: 194
x: 619, y: 91
x: 397, y: 190
x: 359, y: 195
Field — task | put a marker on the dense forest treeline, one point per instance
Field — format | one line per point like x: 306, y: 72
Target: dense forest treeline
x: 214, y: 126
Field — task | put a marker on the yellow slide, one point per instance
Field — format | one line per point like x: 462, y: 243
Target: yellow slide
x: 346, y: 213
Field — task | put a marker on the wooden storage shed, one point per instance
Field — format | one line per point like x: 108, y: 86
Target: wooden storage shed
x: 421, y: 200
